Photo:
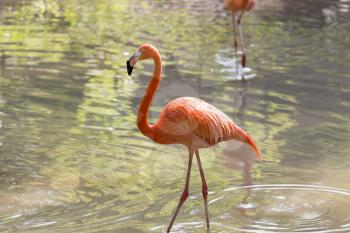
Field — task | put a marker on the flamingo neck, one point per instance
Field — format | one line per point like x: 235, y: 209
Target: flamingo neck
x: 142, y: 116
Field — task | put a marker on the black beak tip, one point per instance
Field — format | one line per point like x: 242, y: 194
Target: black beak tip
x: 129, y: 67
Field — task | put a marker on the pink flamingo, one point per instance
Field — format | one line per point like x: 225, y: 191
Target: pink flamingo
x: 239, y: 6
x: 188, y: 121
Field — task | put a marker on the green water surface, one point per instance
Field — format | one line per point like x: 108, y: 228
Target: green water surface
x: 73, y: 160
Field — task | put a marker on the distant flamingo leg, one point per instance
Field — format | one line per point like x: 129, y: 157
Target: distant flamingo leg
x: 204, y: 188
x: 184, y: 193
x: 244, y: 50
x: 235, y: 42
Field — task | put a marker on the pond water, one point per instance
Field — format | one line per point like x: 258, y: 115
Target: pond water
x: 73, y: 160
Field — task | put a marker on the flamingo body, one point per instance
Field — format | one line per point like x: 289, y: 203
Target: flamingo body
x: 239, y: 5
x: 188, y: 121
x: 196, y: 124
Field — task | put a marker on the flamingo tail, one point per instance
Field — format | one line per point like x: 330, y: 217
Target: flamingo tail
x: 241, y: 135
x: 252, y: 144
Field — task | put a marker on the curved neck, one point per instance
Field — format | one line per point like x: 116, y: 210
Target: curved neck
x: 142, y: 116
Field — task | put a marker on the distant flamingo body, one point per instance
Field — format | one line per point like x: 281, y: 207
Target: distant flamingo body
x: 236, y: 6
x: 188, y: 121
x: 239, y: 5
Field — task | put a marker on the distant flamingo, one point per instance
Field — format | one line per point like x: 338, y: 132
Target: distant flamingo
x: 188, y: 121
x: 241, y: 6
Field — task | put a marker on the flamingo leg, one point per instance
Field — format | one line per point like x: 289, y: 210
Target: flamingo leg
x: 235, y: 43
x: 204, y: 189
x: 184, y: 195
x: 244, y: 51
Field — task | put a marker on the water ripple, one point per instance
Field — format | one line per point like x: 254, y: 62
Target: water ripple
x: 285, y: 208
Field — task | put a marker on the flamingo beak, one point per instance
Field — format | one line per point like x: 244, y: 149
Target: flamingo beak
x: 129, y: 67
x: 132, y: 62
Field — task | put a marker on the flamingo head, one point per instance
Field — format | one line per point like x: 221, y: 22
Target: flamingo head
x: 143, y: 52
